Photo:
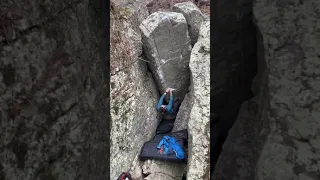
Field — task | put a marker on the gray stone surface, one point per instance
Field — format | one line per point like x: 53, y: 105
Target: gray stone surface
x: 183, y: 115
x: 243, y: 146
x: 133, y: 98
x: 291, y: 49
x: 199, y: 123
x: 234, y: 64
x: 233, y: 57
x: 53, y: 91
x: 285, y: 125
x: 160, y: 170
x: 193, y: 16
x: 166, y: 44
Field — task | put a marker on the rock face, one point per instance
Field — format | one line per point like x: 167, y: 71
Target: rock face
x: 199, y: 123
x: 234, y: 64
x: 292, y: 55
x: 53, y: 91
x: 166, y: 44
x: 183, y: 115
x: 159, y: 170
x: 133, y: 95
x: 282, y: 121
x: 193, y: 16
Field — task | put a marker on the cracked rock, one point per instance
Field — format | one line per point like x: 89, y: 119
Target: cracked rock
x: 199, y: 123
x: 277, y: 133
x: 46, y: 62
x: 167, y: 46
x: 193, y: 16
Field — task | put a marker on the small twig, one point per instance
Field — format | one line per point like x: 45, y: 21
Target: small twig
x: 143, y: 60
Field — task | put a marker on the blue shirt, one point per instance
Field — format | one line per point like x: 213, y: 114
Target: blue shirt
x: 168, y: 107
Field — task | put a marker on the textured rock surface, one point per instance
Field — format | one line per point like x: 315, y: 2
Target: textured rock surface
x: 291, y: 33
x: 159, y: 170
x: 183, y: 115
x: 199, y: 123
x: 53, y: 91
x: 133, y: 97
x: 167, y: 46
x: 234, y: 63
x: 138, y: 9
x: 193, y: 16
x: 286, y: 119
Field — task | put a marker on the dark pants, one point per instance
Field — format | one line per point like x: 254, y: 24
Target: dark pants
x: 175, y: 109
x: 167, y: 121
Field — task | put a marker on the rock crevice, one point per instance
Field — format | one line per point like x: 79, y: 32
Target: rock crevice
x: 277, y: 132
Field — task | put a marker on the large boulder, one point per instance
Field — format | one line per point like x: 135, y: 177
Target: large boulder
x: 166, y: 44
x: 53, y: 90
x: 278, y: 133
x: 199, y: 123
x: 133, y: 95
x: 193, y: 16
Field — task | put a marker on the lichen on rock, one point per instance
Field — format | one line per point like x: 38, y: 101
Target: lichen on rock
x: 133, y: 95
x: 53, y: 91
x: 199, y: 123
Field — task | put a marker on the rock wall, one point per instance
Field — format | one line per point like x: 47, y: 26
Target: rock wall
x: 193, y: 16
x: 290, y: 33
x: 133, y: 92
x: 233, y: 64
x: 53, y: 90
x: 167, y: 46
x: 277, y: 132
x: 161, y: 170
x: 183, y: 115
x: 199, y: 123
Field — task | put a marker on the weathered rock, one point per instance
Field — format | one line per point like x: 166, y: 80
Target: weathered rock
x: 53, y: 91
x: 138, y: 10
x: 234, y: 63
x: 160, y: 170
x: 133, y: 98
x: 291, y: 50
x: 243, y: 146
x: 136, y: 168
x: 193, y: 16
x: 199, y: 123
x: 167, y: 46
x: 183, y: 115
x: 285, y: 125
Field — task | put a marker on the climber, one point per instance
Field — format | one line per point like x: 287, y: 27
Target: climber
x: 168, y: 145
x: 172, y: 108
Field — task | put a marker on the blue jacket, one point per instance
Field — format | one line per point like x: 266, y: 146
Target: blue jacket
x: 168, y: 107
x: 171, y: 146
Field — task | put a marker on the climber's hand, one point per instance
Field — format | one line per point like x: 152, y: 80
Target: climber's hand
x: 168, y: 89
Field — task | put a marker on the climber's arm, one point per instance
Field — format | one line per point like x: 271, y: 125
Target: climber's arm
x: 169, y: 107
x: 161, y: 100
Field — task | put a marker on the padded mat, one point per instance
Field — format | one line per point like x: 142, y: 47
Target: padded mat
x: 149, y: 151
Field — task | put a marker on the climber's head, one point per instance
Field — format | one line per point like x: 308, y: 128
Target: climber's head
x: 163, y: 109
